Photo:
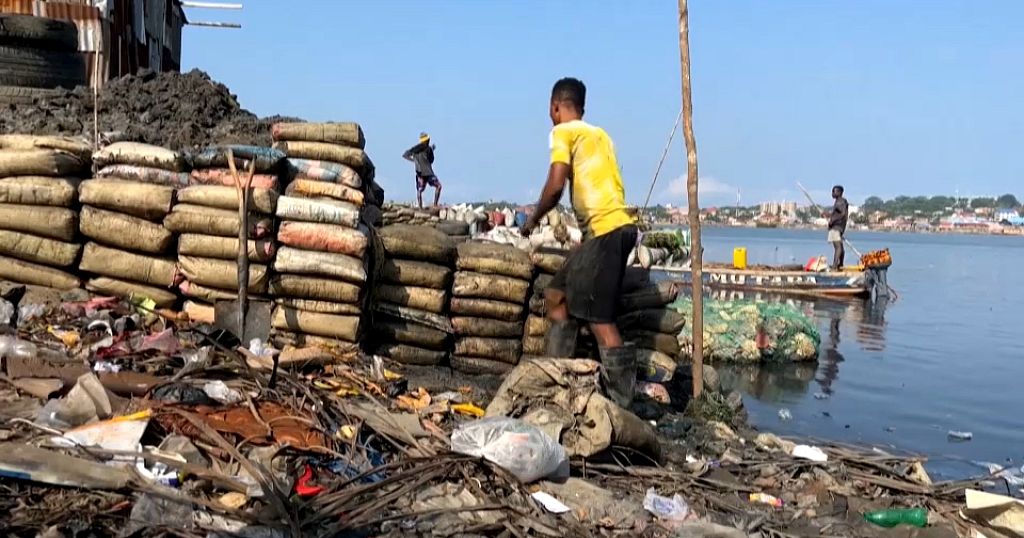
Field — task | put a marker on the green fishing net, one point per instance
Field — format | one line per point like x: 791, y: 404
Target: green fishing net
x: 746, y: 331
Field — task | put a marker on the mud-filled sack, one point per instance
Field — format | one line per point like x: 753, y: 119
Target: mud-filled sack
x: 310, y: 287
x: 156, y: 271
x: 487, y: 308
x: 408, y: 354
x: 224, y: 177
x: 32, y: 248
x: 45, y: 221
x: 343, y: 327
x: 39, y: 190
x: 480, y: 365
x: 405, y: 332
x: 322, y: 171
x: 224, y: 197
x: 321, y: 151
x: 147, y: 201
x: 411, y: 242
x: 414, y: 273
x: 506, y: 350
x: 308, y: 262
x: 307, y: 188
x: 141, y: 154
x: 34, y: 274
x: 144, y: 174
x: 133, y: 290
x: 222, y: 274
x: 495, y: 259
x: 78, y: 147
x: 225, y: 248
x: 346, y: 133
x: 497, y: 287
x: 427, y: 299
x: 320, y: 211
x: 324, y: 237
x: 188, y: 218
x: 124, y: 231
x: 265, y: 159
x: 40, y: 162
x: 491, y: 328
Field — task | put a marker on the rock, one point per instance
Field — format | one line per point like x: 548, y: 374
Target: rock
x: 711, y: 380
x: 735, y: 401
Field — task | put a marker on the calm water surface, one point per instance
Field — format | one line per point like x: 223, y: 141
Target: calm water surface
x: 946, y: 355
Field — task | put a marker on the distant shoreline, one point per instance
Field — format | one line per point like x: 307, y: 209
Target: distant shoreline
x: 1009, y: 231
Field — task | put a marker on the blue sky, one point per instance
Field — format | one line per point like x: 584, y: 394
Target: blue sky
x: 887, y: 98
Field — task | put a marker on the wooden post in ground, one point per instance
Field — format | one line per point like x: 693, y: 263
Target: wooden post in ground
x: 697, y: 252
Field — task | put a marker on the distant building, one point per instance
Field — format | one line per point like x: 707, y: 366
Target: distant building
x: 1006, y: 214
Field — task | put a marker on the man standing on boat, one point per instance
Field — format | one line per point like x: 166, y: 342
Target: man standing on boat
x: 588, y: 285
x: 423, y: 155
x: 837, y: 219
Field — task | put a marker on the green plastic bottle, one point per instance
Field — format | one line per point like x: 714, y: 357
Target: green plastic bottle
x: 917, y: 517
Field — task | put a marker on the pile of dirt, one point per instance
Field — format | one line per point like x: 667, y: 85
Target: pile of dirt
x: 177, y: 110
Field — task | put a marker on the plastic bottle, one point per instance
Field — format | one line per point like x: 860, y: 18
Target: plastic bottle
x: 11, y: 346
x: 917, y: 517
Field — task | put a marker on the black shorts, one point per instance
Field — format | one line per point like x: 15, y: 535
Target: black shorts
x: 423, y: 181
x: 592, y: 275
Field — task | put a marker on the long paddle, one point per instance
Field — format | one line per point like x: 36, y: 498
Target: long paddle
x: 815, y: 204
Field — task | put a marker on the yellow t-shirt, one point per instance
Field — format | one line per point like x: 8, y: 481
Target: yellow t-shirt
x: 596, y: 190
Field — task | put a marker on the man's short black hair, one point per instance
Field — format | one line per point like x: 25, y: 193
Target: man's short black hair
x: 570, y: 90
x: 840, y: 187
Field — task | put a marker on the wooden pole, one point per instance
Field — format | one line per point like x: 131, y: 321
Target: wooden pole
x: 696, y: 262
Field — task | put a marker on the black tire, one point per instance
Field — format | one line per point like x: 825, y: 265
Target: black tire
x: 35, y: 68
x: 24, y: 96
x: 38, y: 32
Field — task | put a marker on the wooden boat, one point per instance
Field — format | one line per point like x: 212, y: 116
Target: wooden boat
x: 849, y: 283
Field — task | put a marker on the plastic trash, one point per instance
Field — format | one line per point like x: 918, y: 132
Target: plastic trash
x: 550, y: 503
x: 764, y: 498
x: 11, y: 346
x: 960, y: 436
x: 28, y: 312
x: 917, y: 517
x: 672, y: 511
x: 518, y: 447
x: 6, y: 312
x: 808, y: 452
x: 222, y: 393
x: 784, y: 414
x: 820, y: 396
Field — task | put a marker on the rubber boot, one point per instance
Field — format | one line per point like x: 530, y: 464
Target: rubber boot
x: 618, y: 373
x: 561, y: 339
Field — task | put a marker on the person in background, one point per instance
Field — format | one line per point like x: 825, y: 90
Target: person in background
x: 589, y: 284
x: 423, y: 155
x: 837, y: 219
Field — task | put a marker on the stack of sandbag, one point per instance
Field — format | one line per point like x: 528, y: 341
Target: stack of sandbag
x: 404, y: 214
x: 320, y: 270
x: 410, y: 303
x: 646, y: 319
x: 130, y: 252
x: 489, y: 295
x: 456, y: 229
x: 38, y: 221
x: 206, y: 216
x: 547, y: 261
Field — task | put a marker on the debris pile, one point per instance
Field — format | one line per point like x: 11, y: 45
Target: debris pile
x: 490, y: 290
x: 38, y: 217
x: 181, y: 111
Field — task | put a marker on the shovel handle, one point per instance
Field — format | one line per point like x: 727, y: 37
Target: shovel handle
x: 242, y: 190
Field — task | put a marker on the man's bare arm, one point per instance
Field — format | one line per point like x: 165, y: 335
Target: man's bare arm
x: 558, y: 175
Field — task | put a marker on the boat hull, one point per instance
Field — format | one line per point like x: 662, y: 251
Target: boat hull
x: 844, y: 283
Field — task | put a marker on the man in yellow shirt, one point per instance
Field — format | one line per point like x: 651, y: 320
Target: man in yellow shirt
x: 588, y: 286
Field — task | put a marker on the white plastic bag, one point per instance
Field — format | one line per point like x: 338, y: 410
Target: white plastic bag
x: 512, y: 444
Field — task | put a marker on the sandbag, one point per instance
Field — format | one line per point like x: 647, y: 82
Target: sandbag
x: 266, y: 159
x: 665, y: 343
x: 222, y: 274
x: 323, y: 307
x: 322, y: 151
x: 39, y: 190
x: 563, y: 398
x: 53, y: 222
x: 534, y: 345
x: 491, y: 328
x: 200, y: 313
x: 323, y: 171
x: 653, y: 296
x: 144, y: 174
x: 486, y: 308
x: 431, y: 319
x: 501, y: 349
x: 479, y: 365
x: 481, y: 286
x: 135, y: 291
x: 225, y: 248
x: 308, y: 188
x: 345, y: 133
x: 537, y: 326
x: 78, y: 147
x: 124, y: 231
x: 160, y: 272
x: 343, y: 327
x: 453, y: 228
x: 324, y: 237
x: 140, y: 154
x: 538, y: 306
x: 661, y: 320
x: 635, y: 279
x: 321, y: 211
x: 413, y: 273
x: 422, y: 243
x: 547, y: 261
x: 541, y: 283
x: 308, y: 287
x: 415, y: 297
x: 406, y: 354
x: 223, y: 177
x: 206, y: 293
x: 654, y: 366
x: 33, y: 274
x: 39, y: 162
x: 224, y: 197
x: 495, y: 259
x: 339, y: 350
x: 33, y: 248
x: 142, y: 200
x: 308, y: 262
x: 188, y: 218
x: 414, y: 334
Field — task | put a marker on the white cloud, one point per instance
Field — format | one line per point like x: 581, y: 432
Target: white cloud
x: 708, y: 188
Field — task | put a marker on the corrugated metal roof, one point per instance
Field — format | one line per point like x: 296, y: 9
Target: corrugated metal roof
x: 24, y: 7
x: 87, y: 18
